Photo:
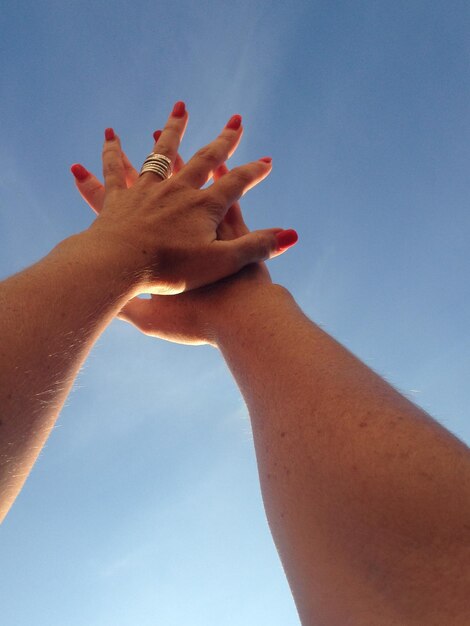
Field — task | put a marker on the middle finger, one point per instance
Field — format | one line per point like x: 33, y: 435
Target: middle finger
x: 169, y: 140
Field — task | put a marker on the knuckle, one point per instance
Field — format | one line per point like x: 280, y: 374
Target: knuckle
x: 209, y: 155
x: 266, y: 247
x: 109, y: 150
x: 172, y: 128
x: 112, y: 167
x: 164, y: 146
x: 241, y: 175
x: 212, y: 203
x: 260, y: 247
x: 94, y: 187
x: 173, y: 186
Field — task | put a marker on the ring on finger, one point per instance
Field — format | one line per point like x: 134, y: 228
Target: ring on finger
x: 158, y: 164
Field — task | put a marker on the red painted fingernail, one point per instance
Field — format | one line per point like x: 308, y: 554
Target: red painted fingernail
x: 156, y: 135
x: 179, y: 109
x: 266, y: 159
x: 79, y: 172
x: 109, y: 134
x: 234, y: 122
x: 286, y: 238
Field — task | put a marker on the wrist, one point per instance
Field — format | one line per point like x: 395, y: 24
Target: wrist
x: 107, y: 265
x: 129, y: 264
x: 246, y: 310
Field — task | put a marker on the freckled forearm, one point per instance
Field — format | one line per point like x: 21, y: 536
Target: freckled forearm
x: 50, y: 316
x: 359, y: 484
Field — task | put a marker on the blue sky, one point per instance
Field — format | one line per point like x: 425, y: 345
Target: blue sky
x: 144, y: 507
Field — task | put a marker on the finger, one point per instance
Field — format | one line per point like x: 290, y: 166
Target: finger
x: 260, y: 245
x: 138, y: 312
x: 131, y: 173
x: 220, y: 171
x: 113, y: 166
x: 179, y: 163
x: 232, y: 186
x: 89, y: 187
x: 254, y: 247
x: 170, y: 138
x: 233, y: 224
x: 201, y: 166
x: 228, y: 257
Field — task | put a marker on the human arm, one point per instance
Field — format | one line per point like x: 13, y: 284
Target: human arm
x: 50, y: 316
x: 181, y: 319
x: 367, y: 497
x: 159, y: 236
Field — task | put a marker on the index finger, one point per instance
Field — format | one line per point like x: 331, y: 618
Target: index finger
x: 230, y: 187
x: 201, y: 166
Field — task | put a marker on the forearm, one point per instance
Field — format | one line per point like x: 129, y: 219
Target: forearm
x: 50, y: 316
x: 368, y: 498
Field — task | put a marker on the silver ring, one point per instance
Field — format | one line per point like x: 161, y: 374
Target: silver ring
x: 158, y: 164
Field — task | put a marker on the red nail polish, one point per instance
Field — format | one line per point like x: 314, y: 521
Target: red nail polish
x: 79, y: 172
x: 179, y: 109
x: 156, y: 135
x: 266, y: 159
x: 234, y: 122
x: 109, y: 134
x: 286, y: 238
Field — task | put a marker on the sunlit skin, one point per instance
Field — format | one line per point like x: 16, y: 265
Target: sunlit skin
x: 178, y: 318
x: 367, y: 497
x: 153, y: 236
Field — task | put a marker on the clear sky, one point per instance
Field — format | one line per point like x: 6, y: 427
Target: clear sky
x: 144, y: 507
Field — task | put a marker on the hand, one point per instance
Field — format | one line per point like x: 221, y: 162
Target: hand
x: 167, y: 230
x: 184, y: 318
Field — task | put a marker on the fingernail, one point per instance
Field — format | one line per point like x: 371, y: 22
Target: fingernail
x: 234, y: 122
x: 79, y: 171
x: 109, y: 134
x: 179, y: 109
x: 156, y: 135
x: 266, y: 159
x: 286, y: 239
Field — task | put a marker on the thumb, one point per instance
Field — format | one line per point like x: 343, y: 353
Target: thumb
x: 138, y: 312
x: 260, y: 245
x: 228, y: 257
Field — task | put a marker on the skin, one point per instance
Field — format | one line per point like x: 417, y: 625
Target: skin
x: 156, y: 236
x: 178, y: 319
x: 367, y: 497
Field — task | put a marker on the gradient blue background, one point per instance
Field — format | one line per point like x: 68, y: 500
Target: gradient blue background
x: 144, y: 507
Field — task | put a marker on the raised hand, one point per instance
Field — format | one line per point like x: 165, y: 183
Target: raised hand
x: 168, y: 228
x: 187, y: 317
